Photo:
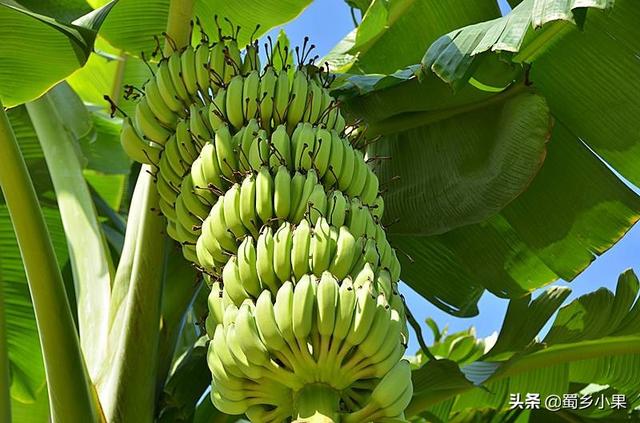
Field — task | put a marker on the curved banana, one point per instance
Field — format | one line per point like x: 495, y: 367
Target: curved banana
x: 264, y: 260
x: 282, y: 193
x: 301, y: 243
x: 247, y: 259
x: 282, y: 251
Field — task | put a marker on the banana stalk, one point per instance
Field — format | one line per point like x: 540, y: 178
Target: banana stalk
x: 317, y: 404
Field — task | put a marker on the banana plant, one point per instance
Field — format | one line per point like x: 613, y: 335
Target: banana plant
x: 202, y: 225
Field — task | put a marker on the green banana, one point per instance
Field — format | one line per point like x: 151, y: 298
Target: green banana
x: 370, y: 189
x: 317, y: 203
x: 248, y: 214
x: 301, y: 207
x: 343, y: 258
x: 322, y: 152
x: 157, y: 105
x: 266, y: 95
x: 232, y: 211
x: 359, y: 176
x: 320, y: 247
x: 247, y: 267
x: 264, y: 260
x: 282, y: 193
x: 224, y: 152
x: 282, y: 251
x: 303, y: 308
x: 327, y: 295
x: 266, y: 323
x: 283, y: 310
x: 264, y: 194
x: 188, y: 65
x: 233, y: 282
x: 301, y: 243
x: 348, y: 166
x: 217, y: 112
x: 281, y: 99
x: 201, y: 64
x: 175, y: 72
x: 168, y: 90
x: 149, y: 125
x: 250, y: 93
x: 281, y: 149
x: 298, y: 98
x: 234, y: 101
x: 137, y: 148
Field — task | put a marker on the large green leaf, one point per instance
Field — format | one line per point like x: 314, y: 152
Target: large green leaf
x: 452, y: 56
x: 574, y: 210
x: 393, y: 34
x: 27, y: 370
x: 132, y: 24
x: 37, y: 51
x: 594, y: 339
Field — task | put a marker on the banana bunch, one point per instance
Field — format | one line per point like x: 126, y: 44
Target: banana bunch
x: 316, y: 331
x: 273, y: 200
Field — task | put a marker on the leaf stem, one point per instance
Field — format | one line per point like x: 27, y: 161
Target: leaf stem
x: 90, y: 261
x: 71, y: 394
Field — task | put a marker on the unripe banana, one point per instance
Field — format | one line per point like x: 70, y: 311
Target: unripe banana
x: 281, y: 98
x: 283, y: 310
x: 298, y: 98
x: 191, y: 201
x: 248, y: 214
x: 377, y: 208
x: 348, y: 166
x: 343, y: 258
x: 264, y: 260
x: 378, y: 331
x: 266, y: 95
x: 220, y: 348
x: 226, y: 405
x: 251, y: 60
x: 337, y: 208
x: 173, y: 157
x: 217, y: 113
x: 384, y: 283
x: 394, y: 268
x: 346, y: 307
x: 359, y: 177
x: 282, y: 193
x: 224, y: 152
x: 232, y: 211
x: 340, y: 123
x: 259, y: 150
x: 386, y: 392
x: 149, y: 125
x: 363, y: 315
x: 371, y: 256
x: 244, y: 150
x: 218, y: 227
x: 247, y: 261
x: 309, y: 184
x: 175, y: 71
x: 317, y: 203
x: 320, y: 247
x: 266, y: 323
x: 250, y: 92
x: 234, y: 101
x: 201, y: 133
x: 264, y: 194
x: 217, y: 64
x: 334, y: 168
x: 322, y: 151
x: 301, y: 243
x: 303, y: 141
x: 297, y: 187
x: 137, y: 148
x: 202, y: 68
x: 401, y: 403
x: 370, y: 189
x: 303, y: 307
x: 246, y: 366
x: 232, y: 282
x: 168, y: 210
x: 357, y: 219
x: 315, y: 100
x: 234, y: 61
x: 248, y: 336
x: 187, y: 150
x: 168, y: 90
x: 282, y: 149
x: 327, y: 303
x: 208, y: 245
x: 157, y: 105
x: 209, y: 168
x: 188, y: 65
x: 282, y: 251
x: 205, y: 259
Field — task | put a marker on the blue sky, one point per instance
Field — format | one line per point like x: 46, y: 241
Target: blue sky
x: 326, y: 22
